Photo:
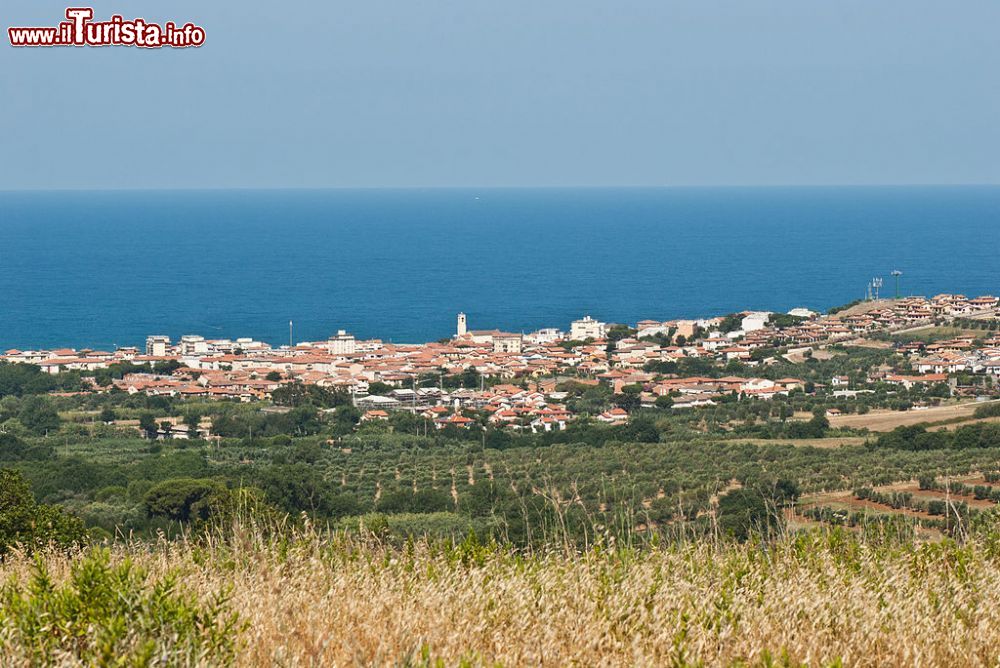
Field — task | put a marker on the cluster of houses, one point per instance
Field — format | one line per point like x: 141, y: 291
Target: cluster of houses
x: 535, y: 408
x: 591, y: 352
x: 958, y: 355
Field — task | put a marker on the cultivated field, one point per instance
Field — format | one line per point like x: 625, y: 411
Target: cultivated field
x: 933, y: 508
x: 832, y: 442
x: 889, y: 420
x: 818, y: 599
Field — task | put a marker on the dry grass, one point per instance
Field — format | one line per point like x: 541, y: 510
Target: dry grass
x: 816, y: 599
x: 884, y: 420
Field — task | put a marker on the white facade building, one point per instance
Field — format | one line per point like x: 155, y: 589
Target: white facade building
x: 587, y: 328
x: 504, y: 342
x: 754, y: 321
x: 547, y: 335
x: 192, y: 344
x: 156, y: 345
x: 342, y: 344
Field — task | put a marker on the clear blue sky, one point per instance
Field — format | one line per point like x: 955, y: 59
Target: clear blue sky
x: 328, y: 93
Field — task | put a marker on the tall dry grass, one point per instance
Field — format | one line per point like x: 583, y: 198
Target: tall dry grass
x: 820, y: 599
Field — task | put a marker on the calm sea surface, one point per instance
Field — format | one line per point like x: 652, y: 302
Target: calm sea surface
x: 106, y: 268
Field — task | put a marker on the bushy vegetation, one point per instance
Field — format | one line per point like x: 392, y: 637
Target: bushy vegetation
x: 105, y: 613
x: 981, y: 435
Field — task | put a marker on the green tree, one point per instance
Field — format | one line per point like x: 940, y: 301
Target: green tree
x: 665, y: 401
x: 640, y: 430
x: 26, y: 522
x: 470, y: 378
x: 381, y: 389
x: 185, y: 499
x: 192, y: 419
x: 629, y: 399
x: 297, y: 488
x: 12, y: 448
x: 744, y: 512
x: 147, y: 423
x: 24, y: 379
x: 408, y: 501
x: 38, y: 415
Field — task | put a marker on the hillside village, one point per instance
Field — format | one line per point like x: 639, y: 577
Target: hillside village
x: 516, y: 377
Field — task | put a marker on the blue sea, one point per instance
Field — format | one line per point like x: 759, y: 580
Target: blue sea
x: 99, y: 269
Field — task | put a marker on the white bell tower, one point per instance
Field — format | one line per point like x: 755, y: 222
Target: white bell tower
x: 462, y: 326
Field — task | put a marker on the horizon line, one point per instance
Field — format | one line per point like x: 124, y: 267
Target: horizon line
x: 802, y: 186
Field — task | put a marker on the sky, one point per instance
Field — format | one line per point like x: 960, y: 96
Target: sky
x: 482, y: 93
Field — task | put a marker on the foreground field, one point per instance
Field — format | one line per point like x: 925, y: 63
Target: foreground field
x: 817, y: 599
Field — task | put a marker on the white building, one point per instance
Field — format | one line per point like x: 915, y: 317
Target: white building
x: 753, y: 321
x: 342, y: 344
x: 546, y: 335
x: 192, y: 344
x: 247, y: 344
x: 462, y: 325
x: 650, y: 329
x: 156, y: 345
x: 587, y: 328
x: 504, y: 342
x: 368, y: 346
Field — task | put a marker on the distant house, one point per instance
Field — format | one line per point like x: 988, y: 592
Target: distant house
x: 454, y: 420
x: 375, y: 401
x: 694, y: 400
x: 910, y: 381
x: 613, y: 416
x: 374, y: 414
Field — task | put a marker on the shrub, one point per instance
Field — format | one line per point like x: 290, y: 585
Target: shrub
x: 113, y: 615
x: 745, y: 512
x: 987, y: 410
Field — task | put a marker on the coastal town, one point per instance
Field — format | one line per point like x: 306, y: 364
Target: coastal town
x: 518, y: 376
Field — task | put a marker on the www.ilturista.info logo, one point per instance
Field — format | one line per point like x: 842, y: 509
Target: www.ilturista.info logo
x: 81, y: 30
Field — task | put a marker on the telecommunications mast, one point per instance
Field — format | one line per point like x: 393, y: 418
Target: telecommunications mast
x: 896, y: 273
x: 876, y: 285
